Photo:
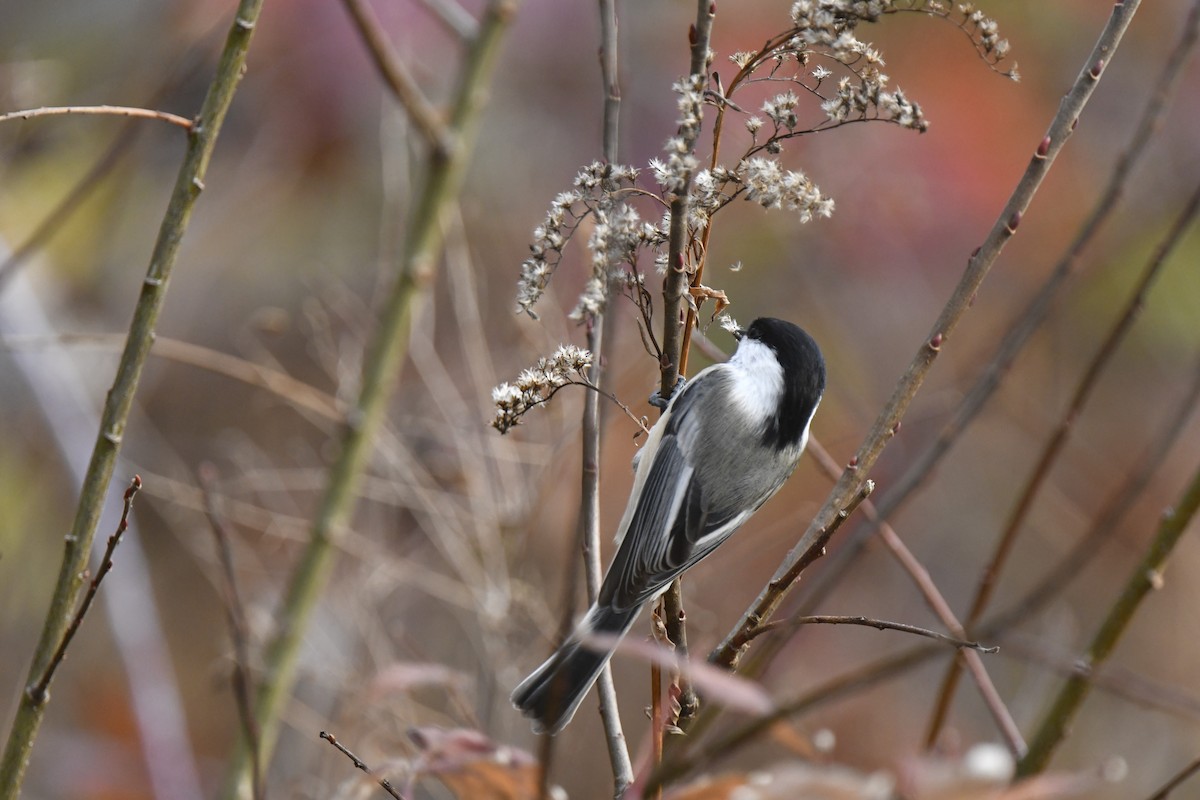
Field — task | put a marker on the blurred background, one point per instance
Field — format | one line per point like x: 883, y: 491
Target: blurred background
x: 448, y: 588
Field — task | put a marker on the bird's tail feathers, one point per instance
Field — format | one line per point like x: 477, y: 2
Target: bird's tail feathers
x: 552, y: 693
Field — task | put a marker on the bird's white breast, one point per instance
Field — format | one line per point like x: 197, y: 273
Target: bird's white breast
x: 758, y: 383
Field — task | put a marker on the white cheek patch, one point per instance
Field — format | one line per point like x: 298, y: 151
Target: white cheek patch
x: 758, y: 393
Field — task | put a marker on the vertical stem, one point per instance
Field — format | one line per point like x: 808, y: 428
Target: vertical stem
x: 589, y: 509
x: 202, y: 139
x: 1053, y: 448
x: 442, y: 180
x: 674, y: 355
x: 1146, y: 575
x: 677, y: 277
x: 1005, y: 227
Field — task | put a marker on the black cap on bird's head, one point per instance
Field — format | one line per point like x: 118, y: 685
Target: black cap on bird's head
x: 803, y: 375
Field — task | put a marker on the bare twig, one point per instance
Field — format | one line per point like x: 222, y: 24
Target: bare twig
x: 610, y: 74
x: 360, y: 764
x: 1030, y: 318
x: 1057, y: 441
x: 880, y: 624
x: 937, y: 602
x: 1105, y: 522
x: 296, y: 393
x: 422, y: 247
x: 675, y: 619
x: 108, y: 111
x: 589, y: 507
x: 202, y: 137
x: 677, y: 274
x: 835, y: 689
x: 587, y: 384
x: 674, y: 283
x: 235, y: 616
x: 425, y: 117
x: 38, y: 692
x: 1177, y: 780
x: 746, y: 633
x: 589, y: 537
x: 65, y: 396
x: 1117, y: 681
x: 1146, y: 575
x: 886, y: 424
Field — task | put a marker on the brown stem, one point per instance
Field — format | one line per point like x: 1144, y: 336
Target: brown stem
x: 1146, y: 576
x: 361, y: 765
x: 106, y: 111
x: 887, y: 423
x: 1030, y: 319
x: 1055, y: 444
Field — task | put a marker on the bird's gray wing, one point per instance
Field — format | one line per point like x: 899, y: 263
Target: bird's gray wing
x: 672, y: 499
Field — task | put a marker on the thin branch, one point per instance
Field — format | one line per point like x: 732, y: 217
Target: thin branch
x: 673, y: 355
x: 677, y: 275
x: 235, y: 617
x: 38, y: 692
x: 1030, y: 319
x: 360, y: 764
x: 1057, y: 441
x: 675, y: 619
x: 296, y: 393
x: 202, y: 137
x: 1177, y: 780
x: 879, y: 624
x: 587, y: 384
x: 871, y: 674
x: 441, y: 183
x: 589, y: 507
x: 1146, y: 576
x: 1119, y: 682
x: 107, y: 111
x: 64, y: 392
x: 610, y: 74
x: 589, y: 537
x: 425, y: 117
x: 938, y: 604
x: 1105, y: 522
x: 980, y: 263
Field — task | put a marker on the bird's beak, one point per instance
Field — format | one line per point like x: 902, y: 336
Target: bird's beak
x: 738, y: 334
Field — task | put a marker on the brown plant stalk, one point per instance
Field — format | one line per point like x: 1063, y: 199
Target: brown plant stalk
x: 1057, y: 441
x: 978, y: 266
x: 202, y: 137
x: 418, y: 264
x: 1028, y: 321
x: 1145, y: 577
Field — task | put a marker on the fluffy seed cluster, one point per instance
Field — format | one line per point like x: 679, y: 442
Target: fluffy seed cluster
x: 617, y: 235
x: 781, y: 110
x: 867, y: 98
x: 822, y: 34
x: 985, y: 32
x: 675, y: 172
x: 771, y: 186
x: 549, y: 238
x: 535, y: 385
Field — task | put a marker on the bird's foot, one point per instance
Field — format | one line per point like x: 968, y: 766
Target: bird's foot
x: 658, y: 401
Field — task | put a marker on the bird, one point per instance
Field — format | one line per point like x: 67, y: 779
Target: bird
x: 726, y: 442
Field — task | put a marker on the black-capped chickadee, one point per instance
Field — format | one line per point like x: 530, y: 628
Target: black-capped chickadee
x: 727, y: 441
